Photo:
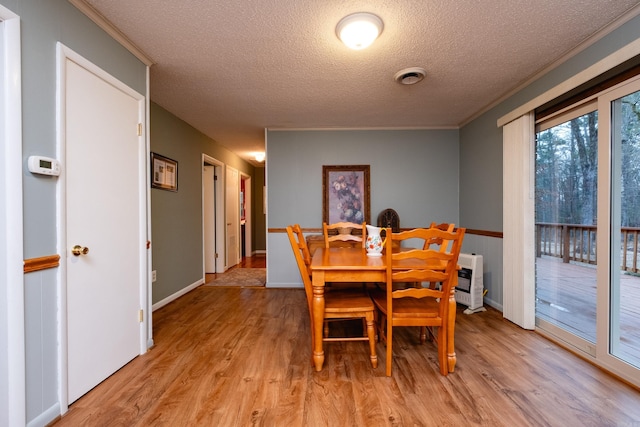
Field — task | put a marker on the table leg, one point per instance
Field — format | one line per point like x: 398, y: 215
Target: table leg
x: 318, y: 318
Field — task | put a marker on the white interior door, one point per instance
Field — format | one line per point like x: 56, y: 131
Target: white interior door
x: 103, y: 214
x: 209, y: 220
x: 233, y: 216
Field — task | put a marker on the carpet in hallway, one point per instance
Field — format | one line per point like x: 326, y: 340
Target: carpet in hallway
x: 240, y: 277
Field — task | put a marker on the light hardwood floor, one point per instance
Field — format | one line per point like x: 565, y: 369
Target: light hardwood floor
x: 241, y: 357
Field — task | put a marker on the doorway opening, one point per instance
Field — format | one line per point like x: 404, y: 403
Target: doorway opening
x: 213, y: 221
x: 245, y: 216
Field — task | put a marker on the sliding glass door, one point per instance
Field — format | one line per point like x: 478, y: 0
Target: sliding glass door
x: 566, y: 222
x: 623, y: 107
x: 587, y: 215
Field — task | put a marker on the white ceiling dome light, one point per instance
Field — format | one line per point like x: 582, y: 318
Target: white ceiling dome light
x: 410, y: 76
x: 358, y: 30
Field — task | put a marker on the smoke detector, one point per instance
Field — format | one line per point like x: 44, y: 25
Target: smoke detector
x: 410, y: 76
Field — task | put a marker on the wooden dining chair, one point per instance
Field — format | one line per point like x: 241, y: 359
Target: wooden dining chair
x: 304, y: 249
x: 437, y: 243
x: 432, y: 308
x: 344, y: 232
x: 338, y: 304
x: 441, y: 244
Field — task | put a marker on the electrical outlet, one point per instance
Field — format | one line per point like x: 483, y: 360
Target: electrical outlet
x: 153, y: 276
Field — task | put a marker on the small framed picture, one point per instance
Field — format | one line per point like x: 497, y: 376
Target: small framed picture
x: 345, y: 194
x: 164, y: 173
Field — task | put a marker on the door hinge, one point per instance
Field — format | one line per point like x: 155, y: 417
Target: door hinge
x: 216, y: 256
x: 141, y: 316
x: 139, y: 129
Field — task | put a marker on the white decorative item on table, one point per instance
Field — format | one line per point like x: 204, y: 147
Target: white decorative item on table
x: 374, y: 242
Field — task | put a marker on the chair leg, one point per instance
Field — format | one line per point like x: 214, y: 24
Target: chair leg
x: 423, y: 334
x: 371, y: 333
x: 451, y: 326
x: 442, y: 350
x: 326, y: 329
x: 389, y: 350
x: 381, y: 325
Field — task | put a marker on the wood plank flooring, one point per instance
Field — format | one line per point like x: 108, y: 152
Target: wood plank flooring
x: 242, y: 357
x: 566, y: 297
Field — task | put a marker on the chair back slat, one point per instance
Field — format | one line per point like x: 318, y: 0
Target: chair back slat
x: 335, y: 232
x: 422, y: 254
x: 439, y: 242
x: 417, y: 293
x: 418, y: 276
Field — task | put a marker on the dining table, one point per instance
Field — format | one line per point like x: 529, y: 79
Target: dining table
x: 355, y: 265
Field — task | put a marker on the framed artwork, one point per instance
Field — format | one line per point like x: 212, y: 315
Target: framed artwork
x: 164, y: 173
x: 345, y: 194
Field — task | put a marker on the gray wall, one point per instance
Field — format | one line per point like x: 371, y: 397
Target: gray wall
x: 481, y: 156
x: 44, y: 23
x: 481, y: 139
x: 409, y: 170
x: 176, y: 217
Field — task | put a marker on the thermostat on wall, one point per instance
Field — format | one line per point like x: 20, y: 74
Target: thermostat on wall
x: 44, y: 165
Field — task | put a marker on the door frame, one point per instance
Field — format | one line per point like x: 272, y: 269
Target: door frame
x: 12, y: 351
x: 236, y: 202
x: 247, y: 217
x: 144, y: 277
x: 605, y: 271
x: 220, y: 213
x: 599, y: 353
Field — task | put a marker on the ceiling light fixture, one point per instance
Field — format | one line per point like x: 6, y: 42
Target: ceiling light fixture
x: 358, y: 30
x: 410, y: 76
x: 259, y: 157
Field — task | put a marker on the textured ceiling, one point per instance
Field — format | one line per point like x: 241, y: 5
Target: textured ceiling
x: 233, y: 68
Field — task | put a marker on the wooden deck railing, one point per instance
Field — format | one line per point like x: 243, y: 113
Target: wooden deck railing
x: 575, y: 242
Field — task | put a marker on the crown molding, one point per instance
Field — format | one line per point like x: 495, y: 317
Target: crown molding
x: 110, y: 29
x: 608, y: 29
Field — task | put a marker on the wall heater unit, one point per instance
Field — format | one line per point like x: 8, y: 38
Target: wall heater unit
x: 470, y: 289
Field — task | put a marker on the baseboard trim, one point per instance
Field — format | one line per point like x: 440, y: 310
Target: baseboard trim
x: 492, y: 303
x: 283, y: 285
x: 177, y: 295
x: 47, y: 417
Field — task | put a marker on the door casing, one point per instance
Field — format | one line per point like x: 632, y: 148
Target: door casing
x: 12, y: 329
x: 232, y: 209
x: 219, y: 216
x: 248, y: 208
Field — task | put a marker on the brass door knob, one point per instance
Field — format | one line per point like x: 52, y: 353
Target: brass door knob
x: 78, y: 250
